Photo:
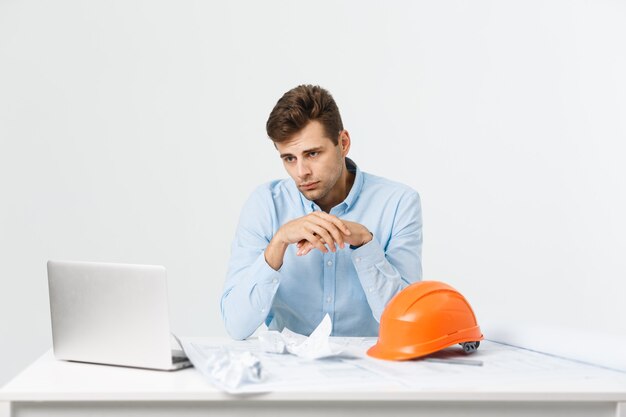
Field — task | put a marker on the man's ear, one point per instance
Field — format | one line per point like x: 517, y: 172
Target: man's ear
x: 344, y: 142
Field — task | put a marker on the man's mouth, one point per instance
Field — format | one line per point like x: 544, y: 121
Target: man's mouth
x: 309, y: 186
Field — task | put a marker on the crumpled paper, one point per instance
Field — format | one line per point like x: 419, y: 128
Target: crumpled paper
x: 272, y: 342
x: 229, y: 368
x: 316, y: 346
x: 232, y: 369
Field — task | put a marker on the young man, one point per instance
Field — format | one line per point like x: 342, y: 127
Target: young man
x: 330, y: 240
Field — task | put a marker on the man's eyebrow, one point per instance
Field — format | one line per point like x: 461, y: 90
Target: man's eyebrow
x: 316, y: 149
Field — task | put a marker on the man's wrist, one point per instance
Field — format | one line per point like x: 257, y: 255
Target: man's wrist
x: 275, y: 252
x: 367, y: 239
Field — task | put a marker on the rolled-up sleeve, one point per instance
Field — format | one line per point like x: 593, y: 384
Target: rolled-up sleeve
x: 383, y: 272
x: 251, y: 283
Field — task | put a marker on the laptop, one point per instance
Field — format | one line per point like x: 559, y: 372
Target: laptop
x: 114, y: 314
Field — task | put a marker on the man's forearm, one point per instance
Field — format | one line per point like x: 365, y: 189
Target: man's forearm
x: 275, y: 252
x: 251, y: 285
x: 380, y: 279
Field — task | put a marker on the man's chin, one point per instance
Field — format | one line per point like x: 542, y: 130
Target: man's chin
x: 309, y: 195
x: 312, y: 195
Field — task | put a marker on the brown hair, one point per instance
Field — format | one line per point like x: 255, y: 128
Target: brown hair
x: 300, y: 105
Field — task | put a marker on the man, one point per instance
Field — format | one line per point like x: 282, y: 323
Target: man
x: 330, y: 240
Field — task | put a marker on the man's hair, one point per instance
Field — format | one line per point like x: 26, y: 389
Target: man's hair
x: 299, y: 106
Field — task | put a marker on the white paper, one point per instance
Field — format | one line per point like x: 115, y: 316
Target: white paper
x: 226, y: 368
x: 593, y: 347
x: 315, y: 346
x: 505, y: 368
x: 272, y: 341
x: 294, y: 373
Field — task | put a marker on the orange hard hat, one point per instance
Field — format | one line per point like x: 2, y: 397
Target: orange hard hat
x: 423, y: 318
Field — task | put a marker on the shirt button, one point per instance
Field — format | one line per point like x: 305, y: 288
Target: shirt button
x: 358, y: 259
x: 274, y: 281
x: 329, y: 263
x: 262, y: 310
x: 371, y: 289
x: 329, y: 299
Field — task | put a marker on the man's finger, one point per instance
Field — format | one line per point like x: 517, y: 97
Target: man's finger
x: 325, y: 236
x: 335, y: 231
x: 306, y: 248
x: 316, y: 242
x: 333, y: 219
x: 332, y: 229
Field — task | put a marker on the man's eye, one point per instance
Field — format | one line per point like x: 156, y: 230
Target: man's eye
x: 289, y: 159
x: 313, y: 154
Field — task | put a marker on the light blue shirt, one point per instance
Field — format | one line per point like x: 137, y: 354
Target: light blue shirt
x: 352, y: 286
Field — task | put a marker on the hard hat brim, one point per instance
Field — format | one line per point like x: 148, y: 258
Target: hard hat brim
x: 380, y: 351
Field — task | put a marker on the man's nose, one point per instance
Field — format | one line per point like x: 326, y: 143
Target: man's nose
x: 303, y: 169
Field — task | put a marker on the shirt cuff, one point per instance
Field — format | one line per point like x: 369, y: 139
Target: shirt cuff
x: 367, y: 255
x: 267, y: 274
x: 266, y: 280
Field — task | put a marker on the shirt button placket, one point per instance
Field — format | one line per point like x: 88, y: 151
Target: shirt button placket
x: 329, y: 283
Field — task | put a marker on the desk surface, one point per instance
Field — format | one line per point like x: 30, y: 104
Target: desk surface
x: 547, y: 378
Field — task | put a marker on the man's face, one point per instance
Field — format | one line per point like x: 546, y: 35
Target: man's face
x: 313, y: 161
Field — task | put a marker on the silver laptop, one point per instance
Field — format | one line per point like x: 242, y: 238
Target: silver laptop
x: 112, y: 314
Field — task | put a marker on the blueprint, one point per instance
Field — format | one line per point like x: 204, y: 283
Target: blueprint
x: 503, y: 368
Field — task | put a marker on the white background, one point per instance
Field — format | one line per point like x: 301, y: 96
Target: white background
x: 133, y: 132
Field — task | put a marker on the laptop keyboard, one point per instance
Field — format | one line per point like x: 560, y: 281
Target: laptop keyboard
x: 178, y: 359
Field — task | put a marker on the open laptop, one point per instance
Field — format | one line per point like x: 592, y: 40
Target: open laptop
x: 113, y: 314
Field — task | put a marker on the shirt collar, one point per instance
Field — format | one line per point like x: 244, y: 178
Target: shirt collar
x: 352, y: 196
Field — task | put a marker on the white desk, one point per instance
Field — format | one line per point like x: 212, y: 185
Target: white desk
x: 54, y: 388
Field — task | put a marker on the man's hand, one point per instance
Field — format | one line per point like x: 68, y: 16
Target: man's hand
x: 318, y: 229
x: 359, y: 235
